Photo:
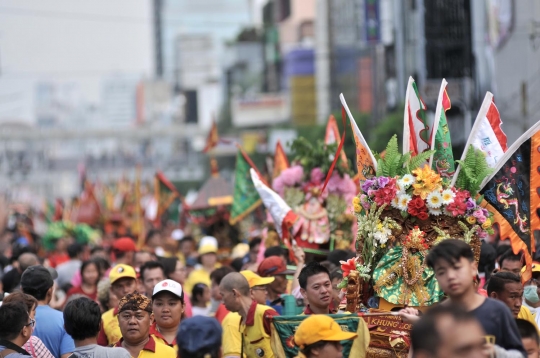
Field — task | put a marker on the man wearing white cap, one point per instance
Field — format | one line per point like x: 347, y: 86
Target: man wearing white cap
x: 208, y: 248
x: 168, y: 306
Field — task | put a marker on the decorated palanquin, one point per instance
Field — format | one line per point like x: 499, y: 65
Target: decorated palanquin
x: 324, y: 217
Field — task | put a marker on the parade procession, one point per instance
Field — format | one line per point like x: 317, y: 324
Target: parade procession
x: 269, y: 178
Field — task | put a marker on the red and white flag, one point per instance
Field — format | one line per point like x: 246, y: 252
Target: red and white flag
x: 282, y: 214
x: 332, y: 136
x: 365, y: 160
x: 487, y: 134
x: 417, y: 127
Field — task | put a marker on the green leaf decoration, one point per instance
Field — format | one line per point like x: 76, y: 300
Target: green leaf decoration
x: 473, y: 170
x: 419, y: 160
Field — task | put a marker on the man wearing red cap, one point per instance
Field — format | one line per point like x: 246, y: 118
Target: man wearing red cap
x: 124, y: 250
x: 274, y: 266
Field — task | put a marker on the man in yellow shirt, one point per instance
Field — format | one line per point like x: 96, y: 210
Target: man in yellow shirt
x: 232, y: 339
x: 507, y: 287
x: 255, y: 318
x: 123, y: 281
x: 134, y: 317
x: 208, y: 258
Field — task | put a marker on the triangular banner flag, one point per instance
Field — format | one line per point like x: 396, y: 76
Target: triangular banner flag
x: 512, y: 194
x: 365, y: 161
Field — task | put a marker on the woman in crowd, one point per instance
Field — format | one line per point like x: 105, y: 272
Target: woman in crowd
x: 90, y: 273
x: 200, y: 298
x: 175, y: 270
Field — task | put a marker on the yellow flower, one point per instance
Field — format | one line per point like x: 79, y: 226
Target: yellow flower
x: 487, y: 224
x: 426, y: 181
x: 357, y: 208
x: 356, y: 200
x: 471, y: 220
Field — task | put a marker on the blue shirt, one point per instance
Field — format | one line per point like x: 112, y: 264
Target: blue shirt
x: 276, y: 305
x: 50, y: 329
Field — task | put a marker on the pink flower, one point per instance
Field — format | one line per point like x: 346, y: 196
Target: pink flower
x: 316, y: 176
x: 334, y: 183
x: 278, y: 185
x: 292, y: 176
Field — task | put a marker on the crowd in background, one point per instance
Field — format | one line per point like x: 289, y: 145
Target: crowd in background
x: 174, y: 297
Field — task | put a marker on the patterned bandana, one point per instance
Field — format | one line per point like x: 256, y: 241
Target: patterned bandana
x: 135, y: 302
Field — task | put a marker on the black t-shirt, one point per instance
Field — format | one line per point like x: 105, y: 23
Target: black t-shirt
x: 498, y: 321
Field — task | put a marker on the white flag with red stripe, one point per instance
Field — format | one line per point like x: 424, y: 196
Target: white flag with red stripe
x: 417, y: 127
x: 280, y: 211
x: 487, y: 134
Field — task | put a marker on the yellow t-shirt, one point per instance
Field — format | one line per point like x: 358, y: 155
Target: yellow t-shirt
x: 111, y: 326
x: 199, y: 275
x: 154, y: 348
x: 231, y: 339
x: 525, y: 314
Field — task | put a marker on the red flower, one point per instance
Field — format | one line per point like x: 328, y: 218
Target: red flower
x: 417, y: 202
x: 348, y: 266
x: 422, y: 215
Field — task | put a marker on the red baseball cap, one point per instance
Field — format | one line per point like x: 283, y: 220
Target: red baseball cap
x: 124, y: 244
x: 272, y: 266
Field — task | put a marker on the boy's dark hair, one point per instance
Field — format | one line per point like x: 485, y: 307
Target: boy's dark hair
x: 527, y: 330
x: 424, y: 334
x: 254, y: 242
x: 497, y: 281
x: 198, y: 291
x: 336, y: 273
x: 510, y: 256
x: 329, y: 265
x: 95, y: 249
x: 75, y: 250
x: 451, y: 251
x: 187, y: 238
x: 150, y: 234
x: 218, y: 274
x: 150, y: 265
x: 13, y: 317
x: 82, y: 318
x: 275, y: 251
x: 340, y: 255
x: 311, y: 269
x: 237, y: 264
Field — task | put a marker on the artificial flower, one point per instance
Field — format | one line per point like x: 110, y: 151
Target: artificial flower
x: 422, y: 215
x: 348, y: 266
x: 435, y: 212
x: 448, y: 196
x: 382, y: 181
x: 434, y: 200
x: 316, y: 176
x: 357, y: 208
x: 471, y: 220
x: 406, y: 181
x: 367, y: 184
x: 395, y: 203
x: 356, y: 201
x: 487, y: 224
x: 426, y: 181
x: 403, y: 201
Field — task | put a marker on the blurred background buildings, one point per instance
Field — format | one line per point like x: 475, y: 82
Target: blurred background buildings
x: 98, y: 87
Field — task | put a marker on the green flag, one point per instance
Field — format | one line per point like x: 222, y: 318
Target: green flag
x: 442, y: 161
x: 246, y: 198
x: 284, y: 327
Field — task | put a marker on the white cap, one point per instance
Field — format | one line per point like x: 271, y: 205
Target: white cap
x: 170, y: 286
x: 208, y: 240
x: 177, y: 234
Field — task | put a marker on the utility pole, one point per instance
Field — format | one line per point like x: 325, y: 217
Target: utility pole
x: 322, y: 60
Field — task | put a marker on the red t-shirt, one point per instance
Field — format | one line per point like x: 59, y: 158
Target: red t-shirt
x: 221, y: 312
x: 79, y: 291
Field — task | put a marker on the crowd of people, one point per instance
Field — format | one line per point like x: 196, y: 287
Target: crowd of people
x: 123, y: 301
